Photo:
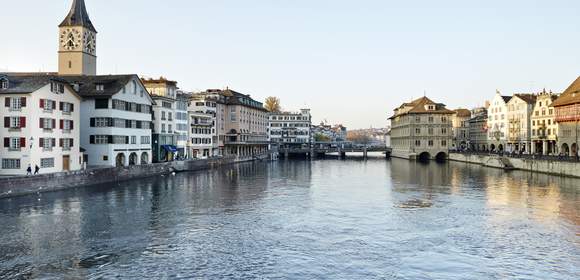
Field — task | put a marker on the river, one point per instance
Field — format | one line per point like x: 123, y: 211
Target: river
x: 326, y: 219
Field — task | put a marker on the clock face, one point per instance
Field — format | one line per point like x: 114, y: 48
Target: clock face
x: 70, y: 39
x: 89, y: 42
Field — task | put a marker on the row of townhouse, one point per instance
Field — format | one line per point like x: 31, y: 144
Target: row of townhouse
x: 74, y: 118
x: 542, y: 123
x: 227, y: 123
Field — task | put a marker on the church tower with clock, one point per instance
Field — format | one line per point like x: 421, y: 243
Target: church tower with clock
x: 77, y: 42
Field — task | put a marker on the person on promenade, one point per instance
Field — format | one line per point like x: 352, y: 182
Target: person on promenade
x: 29, y: 170
x: 36, y: 169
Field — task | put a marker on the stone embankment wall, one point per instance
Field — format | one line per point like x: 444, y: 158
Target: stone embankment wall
x: 17, y: 186
x: 554, y: 167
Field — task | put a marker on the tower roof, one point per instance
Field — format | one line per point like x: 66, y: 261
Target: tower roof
x: 78, y: 16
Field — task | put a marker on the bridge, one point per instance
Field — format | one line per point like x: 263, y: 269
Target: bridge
x: 320, y: 149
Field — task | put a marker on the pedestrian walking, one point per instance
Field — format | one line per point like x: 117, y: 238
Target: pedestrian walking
x: 29, y: 170
x: 36, y: 169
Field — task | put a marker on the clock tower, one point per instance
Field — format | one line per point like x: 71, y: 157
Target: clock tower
x: 77, y: 39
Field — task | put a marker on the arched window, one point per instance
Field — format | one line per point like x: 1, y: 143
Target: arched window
x: 4, y: 83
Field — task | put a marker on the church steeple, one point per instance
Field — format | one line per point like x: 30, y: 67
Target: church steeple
x: 78, y: 16
x: 77, y: 54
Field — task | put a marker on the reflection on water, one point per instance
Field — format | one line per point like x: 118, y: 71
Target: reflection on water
x: 327, y: 219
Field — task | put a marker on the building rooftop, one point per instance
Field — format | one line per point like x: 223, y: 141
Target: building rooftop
x: 85, y: 86
x: 78, y: 16
x: 462, y: 113
x: 570, y: 96
x: 419, y: 106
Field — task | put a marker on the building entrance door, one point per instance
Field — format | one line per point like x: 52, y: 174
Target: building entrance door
x: 66, y: 163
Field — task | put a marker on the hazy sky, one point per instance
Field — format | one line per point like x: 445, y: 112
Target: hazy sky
x: 351, y: 62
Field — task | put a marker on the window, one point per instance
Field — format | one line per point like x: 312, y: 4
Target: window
x: 162, y: 128
x: 170, y: 116
x: 4, y: 83
x: 47, y: 143
x: 145, y: 140
x: 16, y: 104
x: 133, y: 139
x: 47, y: 162
x: 100, y: 87
x: 9, y: 163
x: 163, y: 115
x: 15, y: 143
x: 47, y: 123
x: 66, y: 144
x: 430, y: 143
x: 15, y: 122
x: 56, y: 87
x: 101, y: 103
x: 443, y: 143
x: 101, y: 139
x: 66, y: 107
x: 170, y: 129
x: 417, y: 143
x: 134, y: 84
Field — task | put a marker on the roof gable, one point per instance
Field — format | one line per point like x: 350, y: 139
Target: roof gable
x: 570, y: 96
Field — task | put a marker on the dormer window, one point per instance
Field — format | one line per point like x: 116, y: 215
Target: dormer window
x: 57, y: 88
x: 4, y: 84
x: 100, y: 87
x: 430, y: 107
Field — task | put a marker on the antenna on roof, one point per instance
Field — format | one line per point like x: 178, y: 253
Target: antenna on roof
x: 424, y: 93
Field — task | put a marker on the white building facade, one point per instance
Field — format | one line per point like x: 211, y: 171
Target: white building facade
x: 520, y: 109
x: 116, y: 120
x: 41, y: 125
x: 497, y: 123
x: 290, y: 130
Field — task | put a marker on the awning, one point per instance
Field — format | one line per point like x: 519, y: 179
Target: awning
x: 169, y: 148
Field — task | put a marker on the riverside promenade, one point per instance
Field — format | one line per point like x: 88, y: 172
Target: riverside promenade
x: 546, y: 165
x: 24, y: 185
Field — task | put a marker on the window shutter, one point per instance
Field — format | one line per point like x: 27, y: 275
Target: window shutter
x: 92, y: 139
x: 126, y: 139
x: 92, y: 122
x: 53, y: 123
x: 61, y: 105
x: 60, y: 142
x: 61, y: 124
x: 7, y: 102
x: 72, y: 125
x: 41, y: 123
x: 71, y: 142
x: 22, y: 122
x: 6, y: 122
x: 53, y: 104
x: 53, y: 142
x: 110, y: 139
x: 23, y: 101
x: 42, y: 103
x: 41, y: 142
x: 6, y: 142
x: 72, y: 107
x: 22, y: 142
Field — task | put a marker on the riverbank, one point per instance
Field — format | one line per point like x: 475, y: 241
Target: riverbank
x: 552, y: 167
x: 19, y: 186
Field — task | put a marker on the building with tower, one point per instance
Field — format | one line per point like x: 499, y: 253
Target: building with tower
x: 78, y: 42
x: 113, y: 126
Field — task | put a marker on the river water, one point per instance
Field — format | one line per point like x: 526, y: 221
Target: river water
x: 327, y: 219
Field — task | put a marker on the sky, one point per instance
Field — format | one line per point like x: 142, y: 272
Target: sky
x: 351, y: 62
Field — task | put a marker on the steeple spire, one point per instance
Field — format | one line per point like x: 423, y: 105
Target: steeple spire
x: 78, y: 16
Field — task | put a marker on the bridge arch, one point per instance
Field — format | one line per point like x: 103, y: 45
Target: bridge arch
x: 441, y: 157
x: 424, y: 156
